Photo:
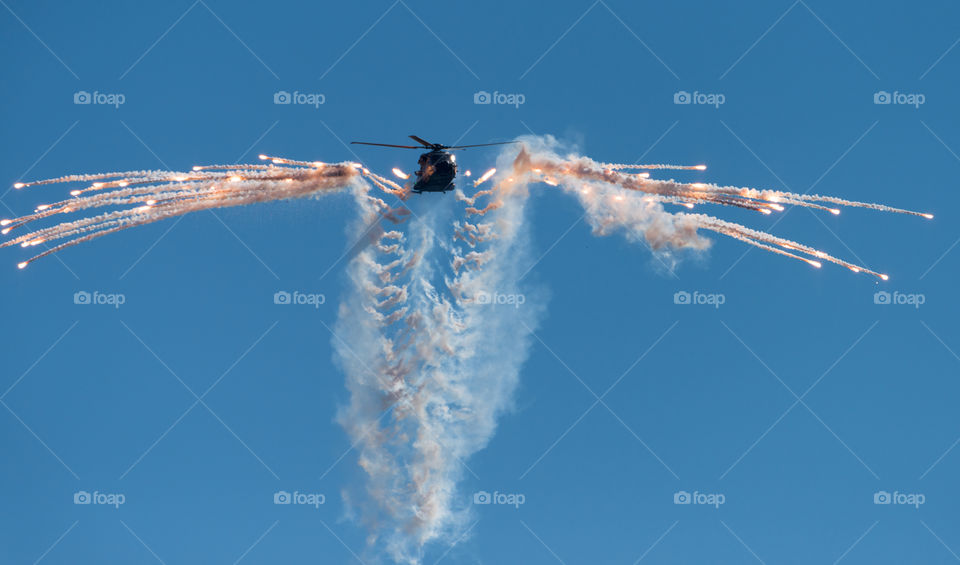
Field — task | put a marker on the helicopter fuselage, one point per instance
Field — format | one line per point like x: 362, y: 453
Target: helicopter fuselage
x: 437, y: 170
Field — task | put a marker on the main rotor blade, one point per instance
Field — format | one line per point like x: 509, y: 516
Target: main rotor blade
x: 481, y: 145
x: 385, y: 145
x: 421, y: 141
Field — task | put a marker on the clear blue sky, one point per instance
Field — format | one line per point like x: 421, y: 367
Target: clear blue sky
x: 99, y: 398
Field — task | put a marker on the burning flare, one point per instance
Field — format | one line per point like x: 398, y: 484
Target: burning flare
x: 485, y: 177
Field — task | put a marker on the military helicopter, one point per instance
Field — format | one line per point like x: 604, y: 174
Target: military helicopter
x: 438, y: 168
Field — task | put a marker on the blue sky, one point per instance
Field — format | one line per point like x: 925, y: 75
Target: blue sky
x: 797, y: 399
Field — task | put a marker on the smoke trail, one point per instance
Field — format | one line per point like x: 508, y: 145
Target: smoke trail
x: 429, y: 376
x: 615, y: 200
x: 145, y: 197
x: 374, y: 339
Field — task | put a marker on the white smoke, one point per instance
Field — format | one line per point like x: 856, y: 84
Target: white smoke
x: 430, y: 365
x: 610, y: 209
x: 432, y: 357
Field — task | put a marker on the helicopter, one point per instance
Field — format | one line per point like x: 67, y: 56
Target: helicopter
x: 438, y: 167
